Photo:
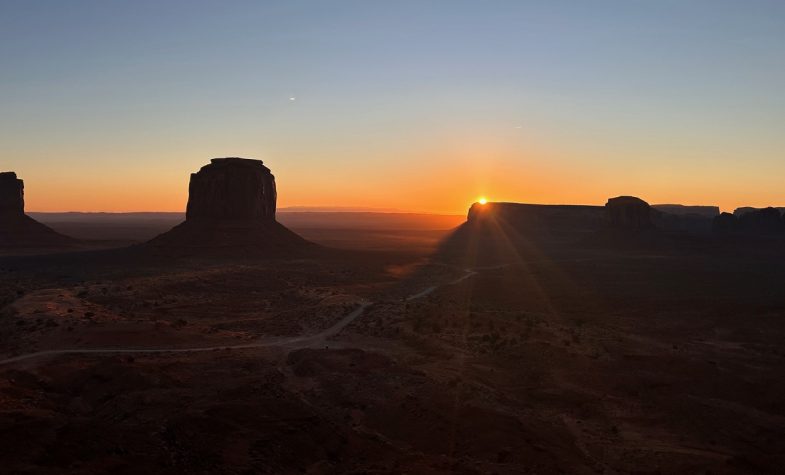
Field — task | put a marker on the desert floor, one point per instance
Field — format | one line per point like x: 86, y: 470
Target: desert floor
x: 394, y: 358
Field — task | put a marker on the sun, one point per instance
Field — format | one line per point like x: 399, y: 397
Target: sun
x: 483, y: 200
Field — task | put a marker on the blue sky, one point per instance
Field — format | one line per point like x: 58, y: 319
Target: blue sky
x: 416, y: 105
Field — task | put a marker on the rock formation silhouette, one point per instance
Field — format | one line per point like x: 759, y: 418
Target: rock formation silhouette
x: 741, y: 211
x: 17, y: 230
x: 232, y: 188
x: 12, y: 195
x: 496, y: 232
x: 709, y: 212
x: 763, y: 221
x: 628, y: 213
x: 681, y: 218
x: 231, y: 210
x: 535, y: 218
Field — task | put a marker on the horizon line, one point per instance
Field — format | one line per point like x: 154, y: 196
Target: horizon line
x: 363, y: 209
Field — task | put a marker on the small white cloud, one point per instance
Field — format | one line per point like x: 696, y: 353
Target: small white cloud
x: 292, y: 98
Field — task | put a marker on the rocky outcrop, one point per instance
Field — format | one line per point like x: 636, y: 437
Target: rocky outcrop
x: 232, y: 189
x: 17, y: 230
x: 12, y: 195
x: 628, y: 213
x: 231, y: 211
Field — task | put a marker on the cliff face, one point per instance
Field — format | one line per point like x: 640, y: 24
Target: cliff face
x: 12, y: 195
x: 232, y: 189
x: 17, y: 230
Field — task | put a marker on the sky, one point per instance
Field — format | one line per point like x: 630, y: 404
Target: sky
x: 418, y: 105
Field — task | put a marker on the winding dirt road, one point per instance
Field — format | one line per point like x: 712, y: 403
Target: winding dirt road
x: 294, y: 342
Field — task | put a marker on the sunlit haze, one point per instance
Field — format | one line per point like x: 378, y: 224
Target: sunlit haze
x: 420, y: 106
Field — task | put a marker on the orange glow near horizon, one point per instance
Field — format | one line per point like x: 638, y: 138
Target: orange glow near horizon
x: 432, y: 192
x: 423, y: 179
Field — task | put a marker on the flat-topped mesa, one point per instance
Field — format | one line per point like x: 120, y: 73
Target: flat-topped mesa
x: 12, y: 195
x: 537, y: 218
x: 739, y: 212
x: 628, y: 213
x: 231, y: 212
x: 232, y: 188
x: 525, y: 210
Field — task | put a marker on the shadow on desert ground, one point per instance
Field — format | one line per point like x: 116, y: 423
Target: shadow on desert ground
x: 494, y: 349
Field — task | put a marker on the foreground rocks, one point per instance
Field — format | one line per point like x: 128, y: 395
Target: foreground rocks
x: 17, y: 230
x: 231, y: 210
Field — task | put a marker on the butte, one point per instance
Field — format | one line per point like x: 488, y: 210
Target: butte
x: 231, y: 211
x: 18, y: 230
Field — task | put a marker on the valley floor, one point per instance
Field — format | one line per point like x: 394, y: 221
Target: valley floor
x: 557, y: 361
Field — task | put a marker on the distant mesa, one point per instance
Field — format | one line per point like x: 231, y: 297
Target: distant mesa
x: 17, y: 230
x: 741, y: 211
x: 535, y: 218
x: 231, y: 210
x: 503, y: 232
x: 628, y: 213
x: 497, y: 232
x: 622, y: 213
x: 681, y: 218
x: 707, y: 212
x: 763, y: 221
